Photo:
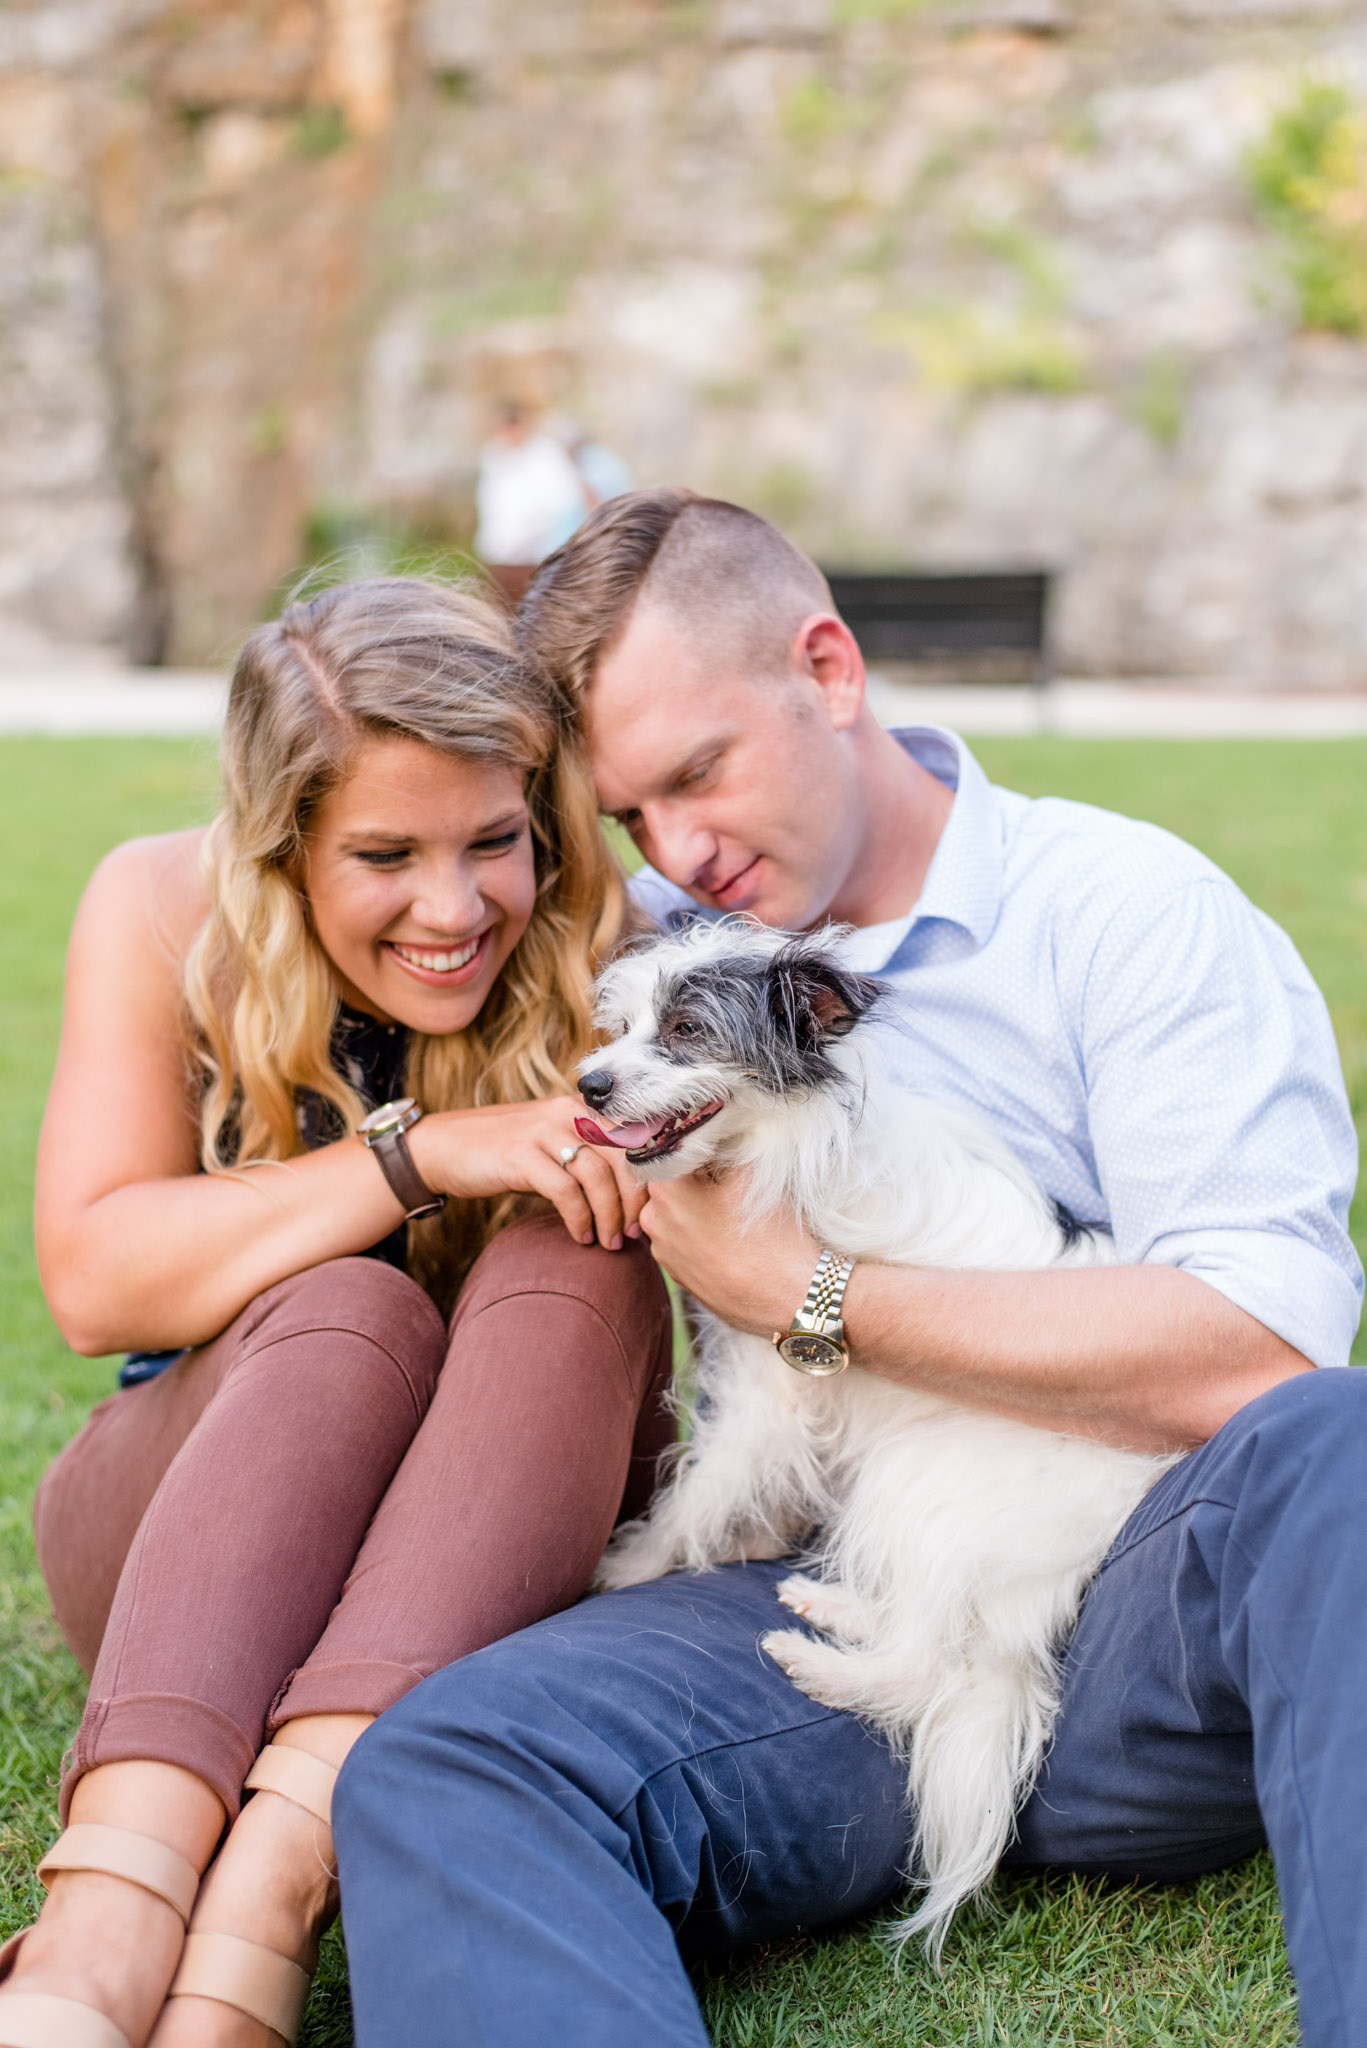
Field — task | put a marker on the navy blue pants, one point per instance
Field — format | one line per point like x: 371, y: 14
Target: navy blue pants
x: 534, y: 1840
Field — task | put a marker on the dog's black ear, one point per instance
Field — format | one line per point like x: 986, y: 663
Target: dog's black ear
x: 815, y: 998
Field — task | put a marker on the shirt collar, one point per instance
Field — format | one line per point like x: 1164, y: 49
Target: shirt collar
x: 964, y: 882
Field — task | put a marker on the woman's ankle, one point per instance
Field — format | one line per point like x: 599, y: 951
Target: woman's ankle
x: 108, y: 1941
x: 105, y: 1943
x: 274, y: 1880
x: 165, y: 1801
x: 327, y: 1736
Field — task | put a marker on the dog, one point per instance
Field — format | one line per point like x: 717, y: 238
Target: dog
x: 948, y: 1547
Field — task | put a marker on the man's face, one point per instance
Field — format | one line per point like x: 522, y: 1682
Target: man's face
x: 740, y: 789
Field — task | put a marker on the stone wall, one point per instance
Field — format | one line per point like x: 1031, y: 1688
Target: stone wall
x: 189, y: 190
x: 929, y: 283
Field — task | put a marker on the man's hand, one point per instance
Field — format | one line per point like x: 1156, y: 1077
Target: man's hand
x: 1143, y: 1356
x: 753, y: 1275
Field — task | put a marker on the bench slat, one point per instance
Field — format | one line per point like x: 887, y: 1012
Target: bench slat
x: 906, y: 615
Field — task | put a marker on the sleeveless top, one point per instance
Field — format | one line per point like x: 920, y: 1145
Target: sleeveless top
x: 372, y: 1057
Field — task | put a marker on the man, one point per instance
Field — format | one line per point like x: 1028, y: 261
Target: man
x: 535, y: 1838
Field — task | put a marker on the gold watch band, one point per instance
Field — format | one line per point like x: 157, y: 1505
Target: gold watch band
x: 826, y: 1294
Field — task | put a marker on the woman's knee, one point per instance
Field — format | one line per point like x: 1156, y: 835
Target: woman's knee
x: 383, y: 1312
x: 537, y: 1255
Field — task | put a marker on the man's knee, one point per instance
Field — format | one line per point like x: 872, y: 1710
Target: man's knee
x: 1316, y: 1420
x: 488, y: 1728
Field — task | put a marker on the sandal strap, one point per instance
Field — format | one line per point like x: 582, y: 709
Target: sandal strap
x: 119, y: 1852
x: 298, y: 1775
x: 37, y: 2019
x: 245, y: 1975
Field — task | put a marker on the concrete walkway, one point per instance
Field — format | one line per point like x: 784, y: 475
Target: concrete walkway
x: 188, y: 702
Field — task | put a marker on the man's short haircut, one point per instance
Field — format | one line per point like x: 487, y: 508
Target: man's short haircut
x: 719, y: 569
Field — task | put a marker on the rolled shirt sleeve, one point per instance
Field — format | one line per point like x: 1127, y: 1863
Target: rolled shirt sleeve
x: 1219, y: 1122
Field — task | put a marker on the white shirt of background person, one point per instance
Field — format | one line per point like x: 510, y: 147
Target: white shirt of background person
x: 529, y: 496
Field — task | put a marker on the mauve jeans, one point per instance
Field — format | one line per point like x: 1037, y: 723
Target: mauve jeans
x: 336, y: 1498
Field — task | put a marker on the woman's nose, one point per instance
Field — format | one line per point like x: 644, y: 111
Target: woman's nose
x: 448, y: 902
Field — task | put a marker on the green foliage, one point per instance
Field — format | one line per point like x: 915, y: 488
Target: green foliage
x: 320, y: 131
x: 978, y: 350
x: 782, y: 492
x: 849, y: 13
x: 1017, y: 341
x: 814, y: 111
x: 343, y: 542
x: 456, y: 84
x: 1063, y: 1964
x: 269, y: 431
x: 1037, y: 266
x: 1158, y: 401
x: 526, y: 287
x: 1308, y: 176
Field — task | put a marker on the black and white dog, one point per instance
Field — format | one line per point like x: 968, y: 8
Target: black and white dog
x: 949, y: 1547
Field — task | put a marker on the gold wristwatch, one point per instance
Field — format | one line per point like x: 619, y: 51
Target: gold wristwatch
x: 814, y: 1341
x: 383, y: 1131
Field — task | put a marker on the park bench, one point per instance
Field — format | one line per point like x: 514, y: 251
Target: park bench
x: 948, y: 616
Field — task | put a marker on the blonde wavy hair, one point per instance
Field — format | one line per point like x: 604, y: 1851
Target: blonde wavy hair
x: 383, y: 658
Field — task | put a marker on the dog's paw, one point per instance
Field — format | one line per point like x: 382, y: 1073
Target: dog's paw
x: 815, y: 1668
x: 832, y: 1609
x: 786, y: 1647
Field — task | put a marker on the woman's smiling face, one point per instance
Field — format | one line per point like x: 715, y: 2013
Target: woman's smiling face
x: 419, y: 874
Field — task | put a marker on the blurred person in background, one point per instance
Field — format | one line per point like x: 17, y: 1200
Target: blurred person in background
x: 604, y: 472
x: 530, y: 497
x: 398, y: 1373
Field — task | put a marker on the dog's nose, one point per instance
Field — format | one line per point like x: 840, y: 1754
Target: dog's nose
x: 596, y: 1087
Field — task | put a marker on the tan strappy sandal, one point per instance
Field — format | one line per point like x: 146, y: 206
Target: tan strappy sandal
x: 40, y: 2019
x: 247, y: 1975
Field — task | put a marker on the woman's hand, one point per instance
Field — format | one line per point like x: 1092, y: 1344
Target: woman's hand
x: 515, y: 1149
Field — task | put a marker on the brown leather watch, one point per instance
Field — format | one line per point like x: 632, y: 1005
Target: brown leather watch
x: 383, y: 1131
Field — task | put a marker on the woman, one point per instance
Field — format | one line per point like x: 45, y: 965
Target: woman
x: 324, y: 1496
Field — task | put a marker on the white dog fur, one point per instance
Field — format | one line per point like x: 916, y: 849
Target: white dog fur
x: 949, y: 1547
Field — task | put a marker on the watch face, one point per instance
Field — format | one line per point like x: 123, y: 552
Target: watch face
x: 812, y: 1354
x: 387, y: 1117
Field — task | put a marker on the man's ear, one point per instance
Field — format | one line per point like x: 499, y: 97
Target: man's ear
x: 826, y: 651
x: 815, y: 998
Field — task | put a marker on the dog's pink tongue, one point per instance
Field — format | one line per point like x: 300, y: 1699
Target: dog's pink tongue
x: 626, y: 1137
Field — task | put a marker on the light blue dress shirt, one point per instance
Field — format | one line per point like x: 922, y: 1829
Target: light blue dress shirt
x: 1150, y: 1044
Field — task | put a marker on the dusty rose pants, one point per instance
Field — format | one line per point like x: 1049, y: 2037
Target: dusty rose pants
x: 335, y: 1498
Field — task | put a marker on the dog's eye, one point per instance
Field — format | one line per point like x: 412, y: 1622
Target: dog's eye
x: 680, y: 1027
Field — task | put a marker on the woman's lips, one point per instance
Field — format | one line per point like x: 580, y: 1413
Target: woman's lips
x: 440, y: 966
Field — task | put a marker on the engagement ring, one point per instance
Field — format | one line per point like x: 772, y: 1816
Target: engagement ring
x: 569, y: 1152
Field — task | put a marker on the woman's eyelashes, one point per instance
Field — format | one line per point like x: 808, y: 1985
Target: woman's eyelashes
x: 388, y: 857
x: 501, y: 842
x: 381, y: 857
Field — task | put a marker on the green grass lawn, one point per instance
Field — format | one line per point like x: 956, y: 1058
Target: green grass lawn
x: 1061, y: 1963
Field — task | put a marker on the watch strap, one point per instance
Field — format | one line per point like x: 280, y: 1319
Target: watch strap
x: 820, y: 1311
x: 397, y: 1165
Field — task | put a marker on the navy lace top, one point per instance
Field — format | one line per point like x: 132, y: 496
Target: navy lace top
x: 372, y: 1057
